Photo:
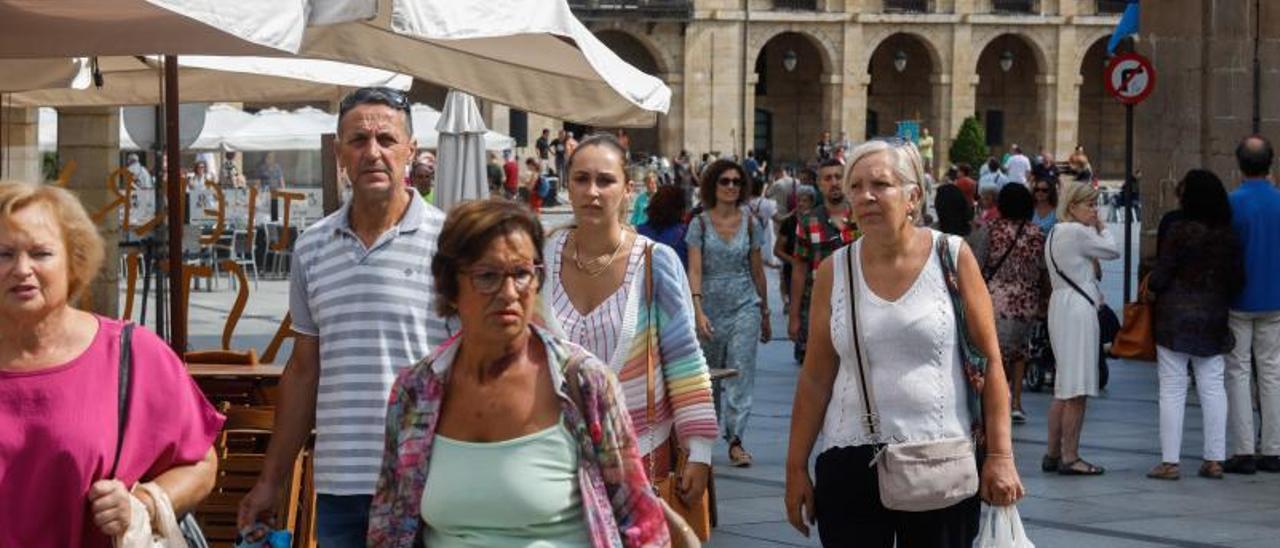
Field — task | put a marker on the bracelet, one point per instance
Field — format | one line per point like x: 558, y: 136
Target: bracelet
x: 697, y: 295
x: 1000, y: 456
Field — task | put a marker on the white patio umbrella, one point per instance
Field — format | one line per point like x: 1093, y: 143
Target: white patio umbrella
x: 221, y: 121
x: 460, y: 167
x: 23, y: 74
x: 130, y: 80
x: 425, y: 119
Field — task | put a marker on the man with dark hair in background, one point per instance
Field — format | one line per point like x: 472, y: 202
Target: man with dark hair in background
x: 1255, y: 315
x: 828, y: 227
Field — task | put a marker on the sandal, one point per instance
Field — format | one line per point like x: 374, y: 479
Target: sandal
x: 1069, y: 469
x: 738, y: 456
x: 1164, y: 471
x: 1211, y: 469
x: 1050, y: 464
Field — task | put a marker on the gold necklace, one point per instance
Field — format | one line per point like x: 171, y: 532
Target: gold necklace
x: 589, y: 268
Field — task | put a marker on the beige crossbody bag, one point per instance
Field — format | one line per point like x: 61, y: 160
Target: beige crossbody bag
x: 913, y: 476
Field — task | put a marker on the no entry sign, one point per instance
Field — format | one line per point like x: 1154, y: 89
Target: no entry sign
x: 1130, y: 78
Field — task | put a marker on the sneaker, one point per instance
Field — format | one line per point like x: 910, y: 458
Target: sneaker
x: 1240, y: 464
x: 1211, y: 469
x: 1269, y: 463
x: 1166, y: 471
x: 1019, y: 417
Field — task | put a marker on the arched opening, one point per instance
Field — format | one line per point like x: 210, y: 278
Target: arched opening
x: 789, y: 118
x: 644, y: 141
x: 901, y: 91
x: 1101, y: 126
x: 1008, y: 99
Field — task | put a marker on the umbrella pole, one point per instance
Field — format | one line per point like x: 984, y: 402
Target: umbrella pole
x: 177, y: 310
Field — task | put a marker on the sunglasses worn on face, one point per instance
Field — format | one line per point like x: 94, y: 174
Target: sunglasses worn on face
x: 727, y: 181
x: 490, y: 280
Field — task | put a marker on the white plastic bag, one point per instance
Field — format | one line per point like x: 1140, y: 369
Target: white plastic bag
x: 140, y: 534
x: 1002, y: 528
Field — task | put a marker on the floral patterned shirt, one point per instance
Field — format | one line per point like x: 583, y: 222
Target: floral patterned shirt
x: 1015, y: 285
x: 620, y: 507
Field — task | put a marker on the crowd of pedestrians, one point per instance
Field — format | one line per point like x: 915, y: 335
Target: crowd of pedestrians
x: 573, y: 368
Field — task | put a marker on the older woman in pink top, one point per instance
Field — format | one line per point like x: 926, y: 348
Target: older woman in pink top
x: 59, y: 370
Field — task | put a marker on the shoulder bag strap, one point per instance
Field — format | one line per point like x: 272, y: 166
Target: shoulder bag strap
x: 122, y: 400
x: 991, y: 273
x: 870, y: 421
x: 1064, y: 274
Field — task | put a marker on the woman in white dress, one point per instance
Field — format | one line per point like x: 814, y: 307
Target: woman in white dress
x: 1078, y: 240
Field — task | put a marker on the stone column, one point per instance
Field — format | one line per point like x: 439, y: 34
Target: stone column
x: 22, y: 159
x: 963, y: 91
x: 832, y: 103
x: 671, y: 125
x: 749, y: 92
x: 853, y: 90
x: 1047, y: 112
x: 1067, y: 97
x: 90, y: 136
x: 941, y: 124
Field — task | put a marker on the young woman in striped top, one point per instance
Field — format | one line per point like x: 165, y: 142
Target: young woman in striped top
x: 595, y: 294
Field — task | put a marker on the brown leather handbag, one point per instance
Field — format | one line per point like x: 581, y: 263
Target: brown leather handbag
x: 666, y: 485
x: 1137, y: 339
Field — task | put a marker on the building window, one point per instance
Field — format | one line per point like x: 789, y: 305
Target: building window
x: 809, y: 5
x: 906, y: 6
x: 995, y: 128
x: 1111, y: 6
x: 645, y: 10
x: 1013, y: 6
x: 519, y: 126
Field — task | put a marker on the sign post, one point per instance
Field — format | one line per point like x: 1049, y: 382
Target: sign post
x: 1130, y: 79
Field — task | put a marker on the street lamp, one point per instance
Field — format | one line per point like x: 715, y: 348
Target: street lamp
x: 900, y: 61
x: 1006, y: 60
x: 789, y: 62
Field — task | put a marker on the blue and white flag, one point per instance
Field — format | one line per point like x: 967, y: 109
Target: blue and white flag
x: 1127, y: 27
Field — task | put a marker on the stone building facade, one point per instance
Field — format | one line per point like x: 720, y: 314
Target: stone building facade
x: 1030, y: 69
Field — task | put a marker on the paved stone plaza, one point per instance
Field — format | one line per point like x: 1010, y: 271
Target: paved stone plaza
x: 1121, y: 509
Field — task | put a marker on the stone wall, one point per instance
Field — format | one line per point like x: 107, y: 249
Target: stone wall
x: 1203, y: 101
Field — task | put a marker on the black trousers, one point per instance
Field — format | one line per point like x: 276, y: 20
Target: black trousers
x: 850, y: 514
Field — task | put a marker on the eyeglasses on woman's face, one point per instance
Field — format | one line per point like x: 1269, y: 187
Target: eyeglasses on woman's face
x: 489, y: 280
x: 729, y: 180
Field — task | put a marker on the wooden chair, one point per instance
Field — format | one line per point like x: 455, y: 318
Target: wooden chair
x: 225, y: 354
x: 241, y: 449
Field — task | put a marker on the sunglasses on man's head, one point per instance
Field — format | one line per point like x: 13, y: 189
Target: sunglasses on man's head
x: 383, y: 95
x: 730, y: 181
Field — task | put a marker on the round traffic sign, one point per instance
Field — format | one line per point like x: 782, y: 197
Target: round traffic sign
x: 1130, y: 78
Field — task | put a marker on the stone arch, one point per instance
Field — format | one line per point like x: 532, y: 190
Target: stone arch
x: 1087, y: 38
x: 883, y: 34
x: 791, y: 108
x: 1012, y: 101
x: 900, y: 95
x: 825, y: 45
x: 1036, y: 44
x: 1099, y: 129
x: 615, y: 35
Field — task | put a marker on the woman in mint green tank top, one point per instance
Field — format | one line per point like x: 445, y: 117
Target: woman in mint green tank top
x: 486, y: 446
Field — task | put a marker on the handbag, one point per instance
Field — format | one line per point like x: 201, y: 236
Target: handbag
x: 912, y: 476
x: 698, y: 514
x: 190, y: 529
x: 682, y: 536
x: 1136, y: 339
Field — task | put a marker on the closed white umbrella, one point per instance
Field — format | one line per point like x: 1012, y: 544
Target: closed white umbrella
x: 425, y: 119
x: 460, y: 168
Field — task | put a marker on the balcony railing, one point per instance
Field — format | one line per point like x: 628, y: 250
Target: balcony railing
x: 906, y: 6
x: 1111, y: 6
x: 1013, y: 6
x: 642, y: 9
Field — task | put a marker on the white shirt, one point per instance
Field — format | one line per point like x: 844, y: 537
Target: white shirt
x: 912, y: 358
x: 1017, y: 167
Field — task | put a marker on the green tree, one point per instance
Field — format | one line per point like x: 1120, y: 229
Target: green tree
x: 970, y: 145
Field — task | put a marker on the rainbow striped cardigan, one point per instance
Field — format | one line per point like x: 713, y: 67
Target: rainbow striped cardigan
x: 683, y: 385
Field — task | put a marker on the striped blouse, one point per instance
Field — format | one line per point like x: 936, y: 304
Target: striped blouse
x: 599, y: 329
x: 683, y: 387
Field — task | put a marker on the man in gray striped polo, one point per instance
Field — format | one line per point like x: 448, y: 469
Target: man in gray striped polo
x: 360, y: 297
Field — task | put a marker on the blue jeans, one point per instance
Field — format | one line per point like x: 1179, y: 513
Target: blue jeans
x: 342, y: 521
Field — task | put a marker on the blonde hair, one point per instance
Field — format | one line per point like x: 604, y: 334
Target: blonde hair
x: 1074, y: 193
x: 904, y: 159
x: 79, y: 235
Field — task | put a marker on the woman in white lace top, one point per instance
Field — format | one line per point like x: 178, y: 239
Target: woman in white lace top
x: 918, y: 389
